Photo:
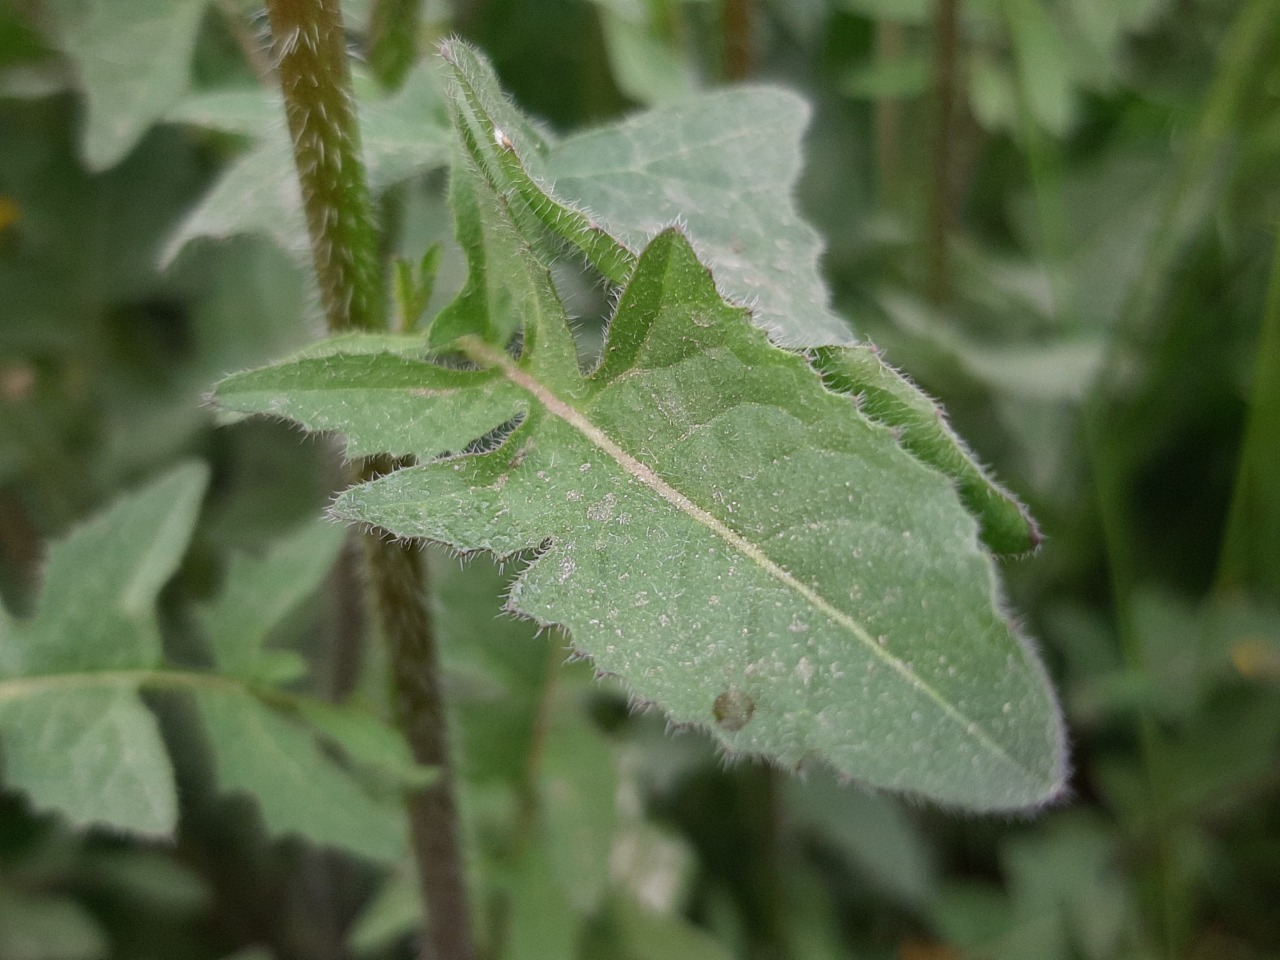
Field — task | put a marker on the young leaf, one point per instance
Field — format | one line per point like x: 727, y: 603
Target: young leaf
x: 68, y: 682
x: 724, y: 163
x: 888, y: 397
x: 733, y: 540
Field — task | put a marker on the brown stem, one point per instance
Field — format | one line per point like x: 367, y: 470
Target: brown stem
x: 890, y: 42
x: 398, y: 572
x: 310, y: 49
x: 946, y: 34
x: 737, y: 40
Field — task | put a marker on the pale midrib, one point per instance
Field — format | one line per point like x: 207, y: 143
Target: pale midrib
x: 483, y: 353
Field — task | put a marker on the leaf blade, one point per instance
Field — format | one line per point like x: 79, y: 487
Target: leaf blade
x: 993, y: 735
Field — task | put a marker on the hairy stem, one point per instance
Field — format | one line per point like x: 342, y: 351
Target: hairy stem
x: 398, y: 572
x: 310, y: 50
x: 311, y: 58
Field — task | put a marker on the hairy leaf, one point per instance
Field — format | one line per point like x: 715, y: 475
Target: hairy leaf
x: 724, y: 164
x: 724, y: 533
x: 888, y: 397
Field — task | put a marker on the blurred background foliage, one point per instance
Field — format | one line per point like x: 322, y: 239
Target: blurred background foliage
x: 1059, y: 216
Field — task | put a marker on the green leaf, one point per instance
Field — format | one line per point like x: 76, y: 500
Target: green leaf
x: 733, y: 540
x: 1044, y: 67
x: 409, y: 399
x: 887, y: 397
x: 260, y: 592
x: 401, y: 137
x: 48, y: 927
x: 299, y: 790
x: 644, y: 934
x: 724, y: 164
x: 366, y: 740
x: 872, y: 833
x: 125, y: 92
x: 395, y: 911
x: 510, y: 156
x: 543, y: 924
x: 891, y: 79
x: 578, y: 802
x: 65, y: 687
x: 645, y: 55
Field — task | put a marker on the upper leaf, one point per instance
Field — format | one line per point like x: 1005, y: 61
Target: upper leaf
x: 732, y: 539
x: 722, y: 163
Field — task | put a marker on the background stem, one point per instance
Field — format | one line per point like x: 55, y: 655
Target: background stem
x: 946, y: 34
x: 310, y: 49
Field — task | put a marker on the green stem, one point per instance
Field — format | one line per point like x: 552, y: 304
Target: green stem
x: 1117, y: 535
x: 311, y: 59
x: 946, y: 42
x: 311, y: 56
x: 1242, y: 53
x: 399, y: 576
x: 1251, y: 546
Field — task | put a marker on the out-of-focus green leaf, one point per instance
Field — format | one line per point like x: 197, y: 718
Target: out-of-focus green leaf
x: 890, y: 80
x: 1044, y: 71
x: 898, y: 11
x: 872, y: 833
x: 299, y: 790
x: 48, y: 927
x: 543, y: 922
x: 643, y: 934
x: 578, y: 793
x: 366, y: 740
x: 647, y: 62
x: 69, y: 675
x: 401, y: 137
x: 260, y: 592
x: 394, y: 912
x: 133, y: 59
x: 1066, y: 895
